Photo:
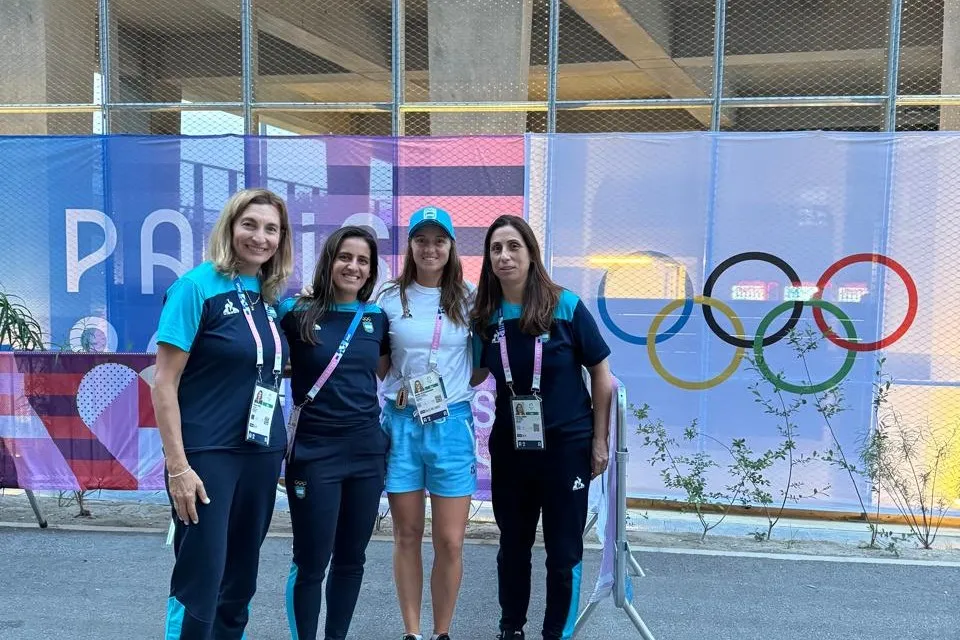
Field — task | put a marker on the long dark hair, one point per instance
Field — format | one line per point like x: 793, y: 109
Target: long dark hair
x: 324, y: 294
x: 540, y: 294
x: 453, y: 291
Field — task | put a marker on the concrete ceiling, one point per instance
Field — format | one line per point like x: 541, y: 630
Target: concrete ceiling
x: 609, y: 49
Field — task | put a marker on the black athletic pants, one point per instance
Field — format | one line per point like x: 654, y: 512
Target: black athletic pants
x: 216, y: 560
x: 334, y: 501
x: 524, y: 484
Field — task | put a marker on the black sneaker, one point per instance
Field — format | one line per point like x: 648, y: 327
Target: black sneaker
x: 511, y: 635
x: 409, y: 636
x: 442, y: 636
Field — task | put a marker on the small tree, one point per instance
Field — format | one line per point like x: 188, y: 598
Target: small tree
x: 830, y: 403
x: 686, y: 473
x: 755, y: 467
x: 748, y: 483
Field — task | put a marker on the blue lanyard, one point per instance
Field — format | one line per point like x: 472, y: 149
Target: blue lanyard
x: 335, y: 360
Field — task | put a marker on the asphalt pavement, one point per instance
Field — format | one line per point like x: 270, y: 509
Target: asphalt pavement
x: 112, y: 586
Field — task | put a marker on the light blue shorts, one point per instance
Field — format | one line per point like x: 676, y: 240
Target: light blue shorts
x: 439, y: 457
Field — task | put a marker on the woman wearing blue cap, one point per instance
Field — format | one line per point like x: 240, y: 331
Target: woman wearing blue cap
x: 428, y: 417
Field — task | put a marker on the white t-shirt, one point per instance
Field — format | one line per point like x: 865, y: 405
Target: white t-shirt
x: 410, y: 340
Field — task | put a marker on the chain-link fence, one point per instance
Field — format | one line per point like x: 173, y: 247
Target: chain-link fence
x: 453, y: 67
x: 690, y: 249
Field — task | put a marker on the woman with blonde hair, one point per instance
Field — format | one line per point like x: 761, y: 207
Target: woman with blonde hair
x: 219, y: 350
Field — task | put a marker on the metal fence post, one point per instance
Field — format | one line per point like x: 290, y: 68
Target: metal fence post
x: 893, y: 65
x: 105, y: 66
x: 398, y: 48
x: 246, y: 63
x: 889, y: 125
x: 719, y: 38
x: 553, y: 56
x: 252, y: 160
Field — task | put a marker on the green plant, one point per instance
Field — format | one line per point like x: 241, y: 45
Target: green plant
x: 18, y: 328
x: 687, y: 473
x: 755, y: 467
x: 911, y: 463
x: 749, y: 485
x: 829, y: 404
x: 754, y: 471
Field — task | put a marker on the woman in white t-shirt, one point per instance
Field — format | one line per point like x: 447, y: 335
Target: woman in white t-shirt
x: 428, y: 417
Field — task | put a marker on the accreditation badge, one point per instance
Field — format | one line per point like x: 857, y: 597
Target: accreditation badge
x: 527, y: 412
x: 260, y: 418
x: 429, y: 396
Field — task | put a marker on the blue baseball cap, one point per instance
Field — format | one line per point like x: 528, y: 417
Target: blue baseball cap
x: 431, y: 215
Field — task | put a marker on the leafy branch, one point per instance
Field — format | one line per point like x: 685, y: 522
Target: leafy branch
x: 687, y: 473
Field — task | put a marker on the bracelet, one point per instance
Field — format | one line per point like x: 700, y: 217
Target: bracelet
x: 177, y: 475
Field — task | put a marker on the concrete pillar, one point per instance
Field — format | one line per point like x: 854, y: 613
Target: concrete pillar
x: 950, y: 67
x: 137, y: 71
x: 48, y: 54
x: 478, y: 51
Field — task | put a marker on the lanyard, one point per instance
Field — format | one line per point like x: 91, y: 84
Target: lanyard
x: 537, y: 359
x: 248, y: 314
x: 435, y: 345
x: 335, y: 360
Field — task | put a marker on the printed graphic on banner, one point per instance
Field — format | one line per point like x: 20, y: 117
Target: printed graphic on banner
x: 707, y: 262
x: 85, y: 421
x: 133, y: 213
x: 82, y: 421
x: 700, y: 257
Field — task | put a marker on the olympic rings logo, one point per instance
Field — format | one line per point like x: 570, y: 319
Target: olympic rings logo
x: 760, y: 339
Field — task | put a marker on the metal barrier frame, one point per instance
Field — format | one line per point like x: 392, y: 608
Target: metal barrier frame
x: 625, y: 564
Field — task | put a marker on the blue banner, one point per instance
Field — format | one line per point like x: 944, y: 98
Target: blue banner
x: 101, y: 226
x: 687, y: 248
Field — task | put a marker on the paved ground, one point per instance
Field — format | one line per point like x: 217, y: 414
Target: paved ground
x: 100, y: 585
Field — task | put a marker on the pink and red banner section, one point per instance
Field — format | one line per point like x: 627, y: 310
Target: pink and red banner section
x: 79, y: 421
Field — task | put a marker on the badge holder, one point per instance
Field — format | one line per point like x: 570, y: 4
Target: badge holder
x: 429, y: 397
x: 526, y: 411
x: 260, y: 419
x: 427, y: 390
x: 292, y: 429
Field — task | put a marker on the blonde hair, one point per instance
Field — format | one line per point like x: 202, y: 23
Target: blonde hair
x: 277, y: 269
